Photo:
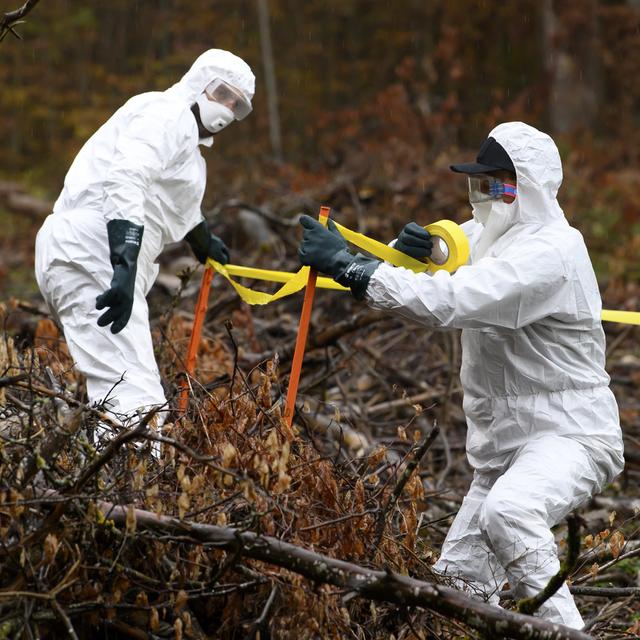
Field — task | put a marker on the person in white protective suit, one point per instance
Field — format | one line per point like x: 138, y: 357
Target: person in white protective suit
x: 135, y: 186
x: 543, y: 429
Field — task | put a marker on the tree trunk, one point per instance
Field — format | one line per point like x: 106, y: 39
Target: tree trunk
x: 270, y: 79
x: 570, y: 46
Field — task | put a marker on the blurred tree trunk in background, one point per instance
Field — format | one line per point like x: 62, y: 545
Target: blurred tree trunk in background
x: 270, y: 79
x: 571, y: 48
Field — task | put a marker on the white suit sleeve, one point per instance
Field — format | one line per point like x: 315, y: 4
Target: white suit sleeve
x: 524, y: 285
x: 149, y: 142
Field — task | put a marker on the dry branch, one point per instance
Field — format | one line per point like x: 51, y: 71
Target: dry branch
x: 11, y: 18
x: 368, y: 583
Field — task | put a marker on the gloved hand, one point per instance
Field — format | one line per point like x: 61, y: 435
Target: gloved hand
x: 415, y: 241
x: 324, y: 249
x: 205, y: 244
x: 124, y: 246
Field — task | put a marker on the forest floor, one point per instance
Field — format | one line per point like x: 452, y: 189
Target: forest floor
x: 372, y: 390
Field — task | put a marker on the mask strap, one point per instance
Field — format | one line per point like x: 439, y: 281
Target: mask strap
x: 510, y: 190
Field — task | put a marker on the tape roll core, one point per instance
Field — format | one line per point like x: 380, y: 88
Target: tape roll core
x: 456, y: 242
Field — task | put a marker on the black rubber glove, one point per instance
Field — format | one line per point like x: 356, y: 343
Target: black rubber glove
x: 415, y: 241
x: 205, y: 244
x: 324, y: 249
x: 124, y: 246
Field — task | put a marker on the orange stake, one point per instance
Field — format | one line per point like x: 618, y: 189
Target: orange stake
x: 194, y: 341
x: 303, y: 330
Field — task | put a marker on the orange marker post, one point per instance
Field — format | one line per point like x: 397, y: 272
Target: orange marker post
x: 303, y: 330
x: 194, y: 341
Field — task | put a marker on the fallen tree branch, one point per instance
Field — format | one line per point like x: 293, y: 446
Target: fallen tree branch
x: 605, y: 592
x: 7, y: 381
x: 368, y: 583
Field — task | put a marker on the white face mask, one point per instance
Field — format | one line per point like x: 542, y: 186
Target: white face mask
x: 214, y: 116
x: 498, y: 218
x: 481, y: 211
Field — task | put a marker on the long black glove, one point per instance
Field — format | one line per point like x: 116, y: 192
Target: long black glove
x: 205, y: 244
x: 325, y: 250
x: 124, y: 246
x: 415, y: 241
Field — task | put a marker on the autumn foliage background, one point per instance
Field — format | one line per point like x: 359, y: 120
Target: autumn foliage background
x: 375, y: 100
x: 388, y: 93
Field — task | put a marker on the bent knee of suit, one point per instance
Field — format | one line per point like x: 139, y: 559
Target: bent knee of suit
x: 509, y: 527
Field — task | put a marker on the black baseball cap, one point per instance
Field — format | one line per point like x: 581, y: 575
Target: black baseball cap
x: 491, y: 157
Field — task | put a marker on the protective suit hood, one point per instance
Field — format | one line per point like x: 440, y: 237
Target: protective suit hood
x: 538, y: 169
x: 214, y: 63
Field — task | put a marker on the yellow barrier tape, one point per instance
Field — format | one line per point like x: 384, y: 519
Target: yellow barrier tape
x: 457, y: 254
x: 278, y: 276
x: 623, y: 317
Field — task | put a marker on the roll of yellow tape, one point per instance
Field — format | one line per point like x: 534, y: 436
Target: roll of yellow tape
x: 449, y: 256
x: 451, y: 246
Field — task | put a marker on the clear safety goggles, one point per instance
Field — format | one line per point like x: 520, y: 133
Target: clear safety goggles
x: 230, y: 97
x: 483, y: 188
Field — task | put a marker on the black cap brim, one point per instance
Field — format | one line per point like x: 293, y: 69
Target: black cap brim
x: 473, y: 167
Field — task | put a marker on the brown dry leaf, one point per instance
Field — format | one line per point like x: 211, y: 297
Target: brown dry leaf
x: 16, y: 509
x: 154, y: 619
x: 593, y: 570
x: 188, y: 625
x: 284, y: 455
x: 138, y: 476
x: 197, y: 483
x: 50, y: 545
x: 183, y: 505
x: 131, y: 520
x: 283, y: 483
x: 229, y: 455
x: 359, y: 496
x: 177, y: 627
x: 180, y: 601
x: 616, y: 543
x: 153, y: 491
x: 185, y: 483
x: 612, y: 517
x: 377, y: 455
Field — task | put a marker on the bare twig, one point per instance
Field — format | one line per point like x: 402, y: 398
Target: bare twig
x: 12, y: 18
x: 259, y: 623
x: 412, y: 465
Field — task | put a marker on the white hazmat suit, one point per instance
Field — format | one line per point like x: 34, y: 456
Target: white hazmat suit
x: 143, y: 165
x: 543, y: 428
